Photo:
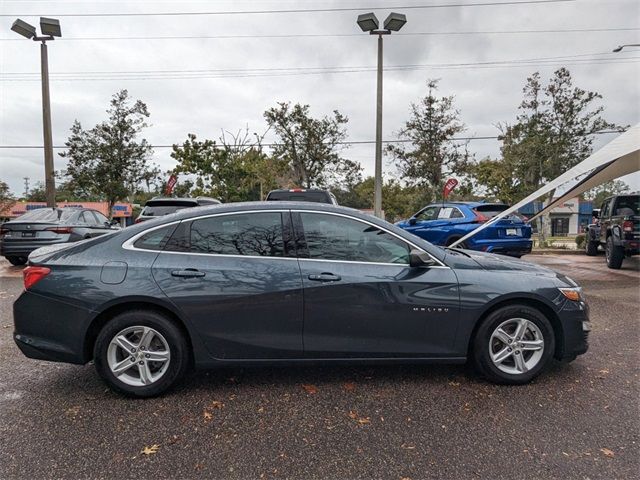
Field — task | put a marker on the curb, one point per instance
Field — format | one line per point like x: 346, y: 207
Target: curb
x: 557, y: 251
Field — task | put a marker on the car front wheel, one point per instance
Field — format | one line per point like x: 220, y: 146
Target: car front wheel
x: 513, y: 345
x: 141, y: 353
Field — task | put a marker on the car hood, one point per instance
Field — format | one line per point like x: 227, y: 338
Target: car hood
x: 502, y: 263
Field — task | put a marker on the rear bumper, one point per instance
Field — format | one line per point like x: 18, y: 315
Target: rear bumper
x: 48, y: 329
x: 514, y: 247
x: 16, y: 248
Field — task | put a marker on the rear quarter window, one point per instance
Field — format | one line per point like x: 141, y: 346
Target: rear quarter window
x: 155, y: 239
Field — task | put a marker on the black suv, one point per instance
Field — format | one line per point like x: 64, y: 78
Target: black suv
x: 302, y: 195
x: 617, y: 229
x: 160, y: 206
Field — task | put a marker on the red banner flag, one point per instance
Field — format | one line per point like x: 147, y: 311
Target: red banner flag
x: 448, y: 186
x: 171, y: 183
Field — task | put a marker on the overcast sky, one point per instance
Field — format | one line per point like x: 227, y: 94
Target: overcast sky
x: 458, y: 45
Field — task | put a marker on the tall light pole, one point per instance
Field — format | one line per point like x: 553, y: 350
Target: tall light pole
x: 619, y: 49
x: 368, y: 22
x: 50, y: 28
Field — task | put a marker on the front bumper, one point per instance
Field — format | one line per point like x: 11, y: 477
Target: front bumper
x: 575, y: 324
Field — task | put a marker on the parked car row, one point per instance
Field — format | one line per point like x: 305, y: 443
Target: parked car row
x: 440, y: 224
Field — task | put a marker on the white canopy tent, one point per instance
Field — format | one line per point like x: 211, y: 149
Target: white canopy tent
x: 619, y: 157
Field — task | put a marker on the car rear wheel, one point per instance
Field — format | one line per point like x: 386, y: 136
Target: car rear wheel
x: 591, y: 248
x: 17, y: 260
x: 141, y: 353
x: 513, y: 345
x: 615, y: 255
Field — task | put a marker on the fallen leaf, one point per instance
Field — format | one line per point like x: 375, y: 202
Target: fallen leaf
x: 207, y: 415
x: 361, y: 420
x: 454, y: 384
x: 153, y: 449
x: 217, y: 404
x: 310, y: 389
x: 261, y: 410
x: 349, y: 386
x: 607, y: 452
x: 364, y: 421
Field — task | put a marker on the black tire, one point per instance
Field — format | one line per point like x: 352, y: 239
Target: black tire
x: 614, y: 255
x: 17, y: 261
x: 177, y: 346
x: 591, y: 248
x: 481, y: 344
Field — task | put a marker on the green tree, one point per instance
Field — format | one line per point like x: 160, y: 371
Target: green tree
x: 6, y: 198
x: 231, y: 171
x: 599, y: 193
x: 431, y: 151
x: 311, y: 146
x: 110, y: 160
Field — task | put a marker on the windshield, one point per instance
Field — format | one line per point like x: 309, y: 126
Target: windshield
x: 46, y: 215
x: 164, y: 208
x: 628, y: 205
x: 316, y: 197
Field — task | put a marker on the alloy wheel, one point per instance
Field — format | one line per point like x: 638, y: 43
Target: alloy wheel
x: 516, y: 346
x: 138, y: 356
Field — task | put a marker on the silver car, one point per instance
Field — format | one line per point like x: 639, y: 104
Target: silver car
x: 49, y: 226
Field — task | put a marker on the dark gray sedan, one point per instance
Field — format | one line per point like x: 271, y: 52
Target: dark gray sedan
x: 49, y: 226
x: 265, y: 283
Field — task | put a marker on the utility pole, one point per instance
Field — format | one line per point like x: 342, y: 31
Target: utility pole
x: 26, y: 187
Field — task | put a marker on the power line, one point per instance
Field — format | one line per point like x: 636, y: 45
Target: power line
x: 293, y: 10
x: 297, y: 71
x: 341, y: 35
x: 347, y: 142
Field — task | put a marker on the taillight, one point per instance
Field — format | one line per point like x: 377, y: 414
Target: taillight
x: 3, y: 231
x: 59, y: 229
x: 627, y: 225
x: 480, y: 218
x: 33, y: 275
x: 297, y: 190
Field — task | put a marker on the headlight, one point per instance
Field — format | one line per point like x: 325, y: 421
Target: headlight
x: 573, y: 293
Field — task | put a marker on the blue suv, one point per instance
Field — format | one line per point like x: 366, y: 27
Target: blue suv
x: 444, y: 223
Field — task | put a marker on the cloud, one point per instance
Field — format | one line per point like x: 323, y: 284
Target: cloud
x: 205, y: 106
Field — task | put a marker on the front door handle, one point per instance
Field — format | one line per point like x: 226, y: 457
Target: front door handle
x: 325, y: 277
x: 187, y: 273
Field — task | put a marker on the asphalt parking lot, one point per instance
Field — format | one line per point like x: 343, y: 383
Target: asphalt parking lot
x: 579, y: 420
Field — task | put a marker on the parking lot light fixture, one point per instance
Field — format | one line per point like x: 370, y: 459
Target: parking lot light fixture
x: 50, y: 28
x: 368, y: 22
x: 395, y: 21
x: 24, y: 29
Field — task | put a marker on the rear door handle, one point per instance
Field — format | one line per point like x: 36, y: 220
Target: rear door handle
x: 187, y: 273
x: 325, y: 277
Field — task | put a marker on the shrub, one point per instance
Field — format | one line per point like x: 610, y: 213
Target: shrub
x: 580, y: 239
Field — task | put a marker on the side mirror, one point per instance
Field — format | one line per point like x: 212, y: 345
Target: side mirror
x: 418, y: 258
x: 413, y: 221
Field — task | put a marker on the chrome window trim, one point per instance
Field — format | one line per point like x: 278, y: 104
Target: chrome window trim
x: 128, y: 244
x: 440, y: 264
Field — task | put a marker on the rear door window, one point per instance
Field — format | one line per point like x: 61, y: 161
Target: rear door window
x: 255, y: 234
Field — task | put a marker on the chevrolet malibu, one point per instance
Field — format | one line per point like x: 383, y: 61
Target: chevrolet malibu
x: 259, y: 283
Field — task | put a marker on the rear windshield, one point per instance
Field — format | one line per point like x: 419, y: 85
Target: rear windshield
x: 629, y: 205
x: 490, y: 210
x: 159, y: 209
x: 316, y: 197
x: 46, y: 215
